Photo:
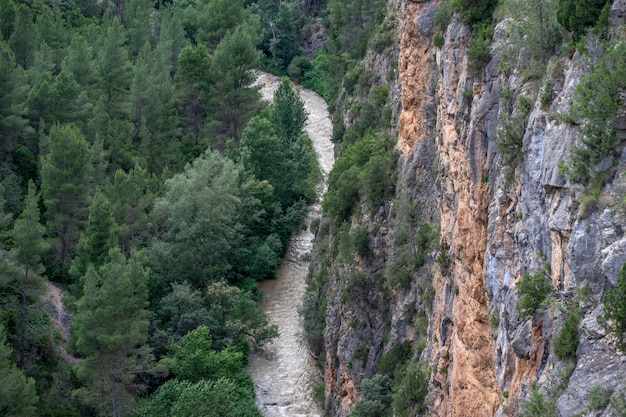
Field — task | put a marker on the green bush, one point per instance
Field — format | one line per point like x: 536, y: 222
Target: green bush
x: 597, y: 100
x: 376, y: 397
x: 410, y: 393
x: 532, y: 290
x: 537, y: 405
x: 599, y: 397
x: 614, y: 317
x: 566, y: 340
x: 478, y: 53
x: 618, y: 404
x: 474, y: 11
x: 396, y: 357
x: 577, y: 15
x: 510, y: 137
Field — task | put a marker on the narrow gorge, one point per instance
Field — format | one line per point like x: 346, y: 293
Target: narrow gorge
x: 485, y: 276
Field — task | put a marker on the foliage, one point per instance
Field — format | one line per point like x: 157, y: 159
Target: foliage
x: 110, y: 331
x: 599, y: 397
x: 566, y: 340
x: 618, y: 403
x: 195, y: 359
x: 365, y: 168
x: 614, y: 317
x: 218, y: 398
x: 597, y: 99
x: 100, y: 103
x: 65, y: 177
x: 478, y: 53
x: 395, y: 358
x: 375, y: 399
x: 409, y: 394
x: 532, y: 290
x: 530, y: 36
x: 474, y: 11
x: 510, y: 136
x: 577, y: 15
x: 413, y: 239
x: 537, y: 405
x: 28, y: 252
x: 288, y: 115
x: 17, y: 392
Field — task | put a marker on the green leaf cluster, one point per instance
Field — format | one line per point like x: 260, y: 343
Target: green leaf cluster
x: 532, y: 290
x: 597, y: 100
x: 577, y: 15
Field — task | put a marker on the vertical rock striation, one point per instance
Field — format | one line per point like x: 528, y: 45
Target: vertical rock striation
x: 495, y: 227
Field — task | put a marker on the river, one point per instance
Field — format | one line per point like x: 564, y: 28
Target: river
x: 283, y: 371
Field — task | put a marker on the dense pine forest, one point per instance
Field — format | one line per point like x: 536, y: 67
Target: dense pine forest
x: 143, y: 175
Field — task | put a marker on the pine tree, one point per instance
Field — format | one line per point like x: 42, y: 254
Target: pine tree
x: 17, y: 392
x: 65, y: 178
x: 23, y: 40
x: 98, y: 238
x: 132, y: 195
x: 234, y: 99
x: 286, y: 43
x: 110, y: 333
x: 29, y: 248
x: 193, y: 86
x: 288, y: 114
x: 13, y: 125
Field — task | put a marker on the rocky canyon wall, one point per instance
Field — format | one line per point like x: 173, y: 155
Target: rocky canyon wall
x: 499, y: 223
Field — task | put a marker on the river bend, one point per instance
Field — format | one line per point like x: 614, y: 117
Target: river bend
x: 283, y: 371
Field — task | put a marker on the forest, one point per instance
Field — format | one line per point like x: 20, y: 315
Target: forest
x: 142, y: 174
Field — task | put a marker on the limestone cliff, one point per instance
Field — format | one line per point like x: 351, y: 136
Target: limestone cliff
x: 498, y: 222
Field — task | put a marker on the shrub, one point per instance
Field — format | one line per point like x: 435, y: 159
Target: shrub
x: 396, y: 357
x: 510, y: 137
x: 532, y: 290
x: 474, y: 11
x: 614, y: 317
x: 376, y: 397
x: 597, y: 100
x: 599, y: 397
x: 537, y: 405
x: 478, y: 53
x: 410, y: 393
x: 618, y: 404
x: 566, y: 340
x: 577, y: 15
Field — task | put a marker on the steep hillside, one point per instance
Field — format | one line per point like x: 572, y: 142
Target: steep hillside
x: 477, y: 288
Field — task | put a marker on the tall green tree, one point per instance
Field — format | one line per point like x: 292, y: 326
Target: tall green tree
x: 209, y: 21
x: 233, y: 98
x: 285, y: 43
x: 23, y: 40
x: 288, y: 114
x: 13, y: 124
x: 18, y: 396
x: 198, y: 217
x: 193, y: 84
x: 65, y: 178
x: 577, y: 15
x: 110, y: 331
x: 99, y: 237
x: 7, y: 18
x: 221, y: 398
x: 132, y: 195
x: 29, y: 248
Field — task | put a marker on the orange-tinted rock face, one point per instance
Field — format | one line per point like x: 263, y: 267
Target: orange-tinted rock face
x: 462, y: 349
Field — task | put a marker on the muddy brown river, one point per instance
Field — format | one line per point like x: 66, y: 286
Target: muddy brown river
x: 283, y: 372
